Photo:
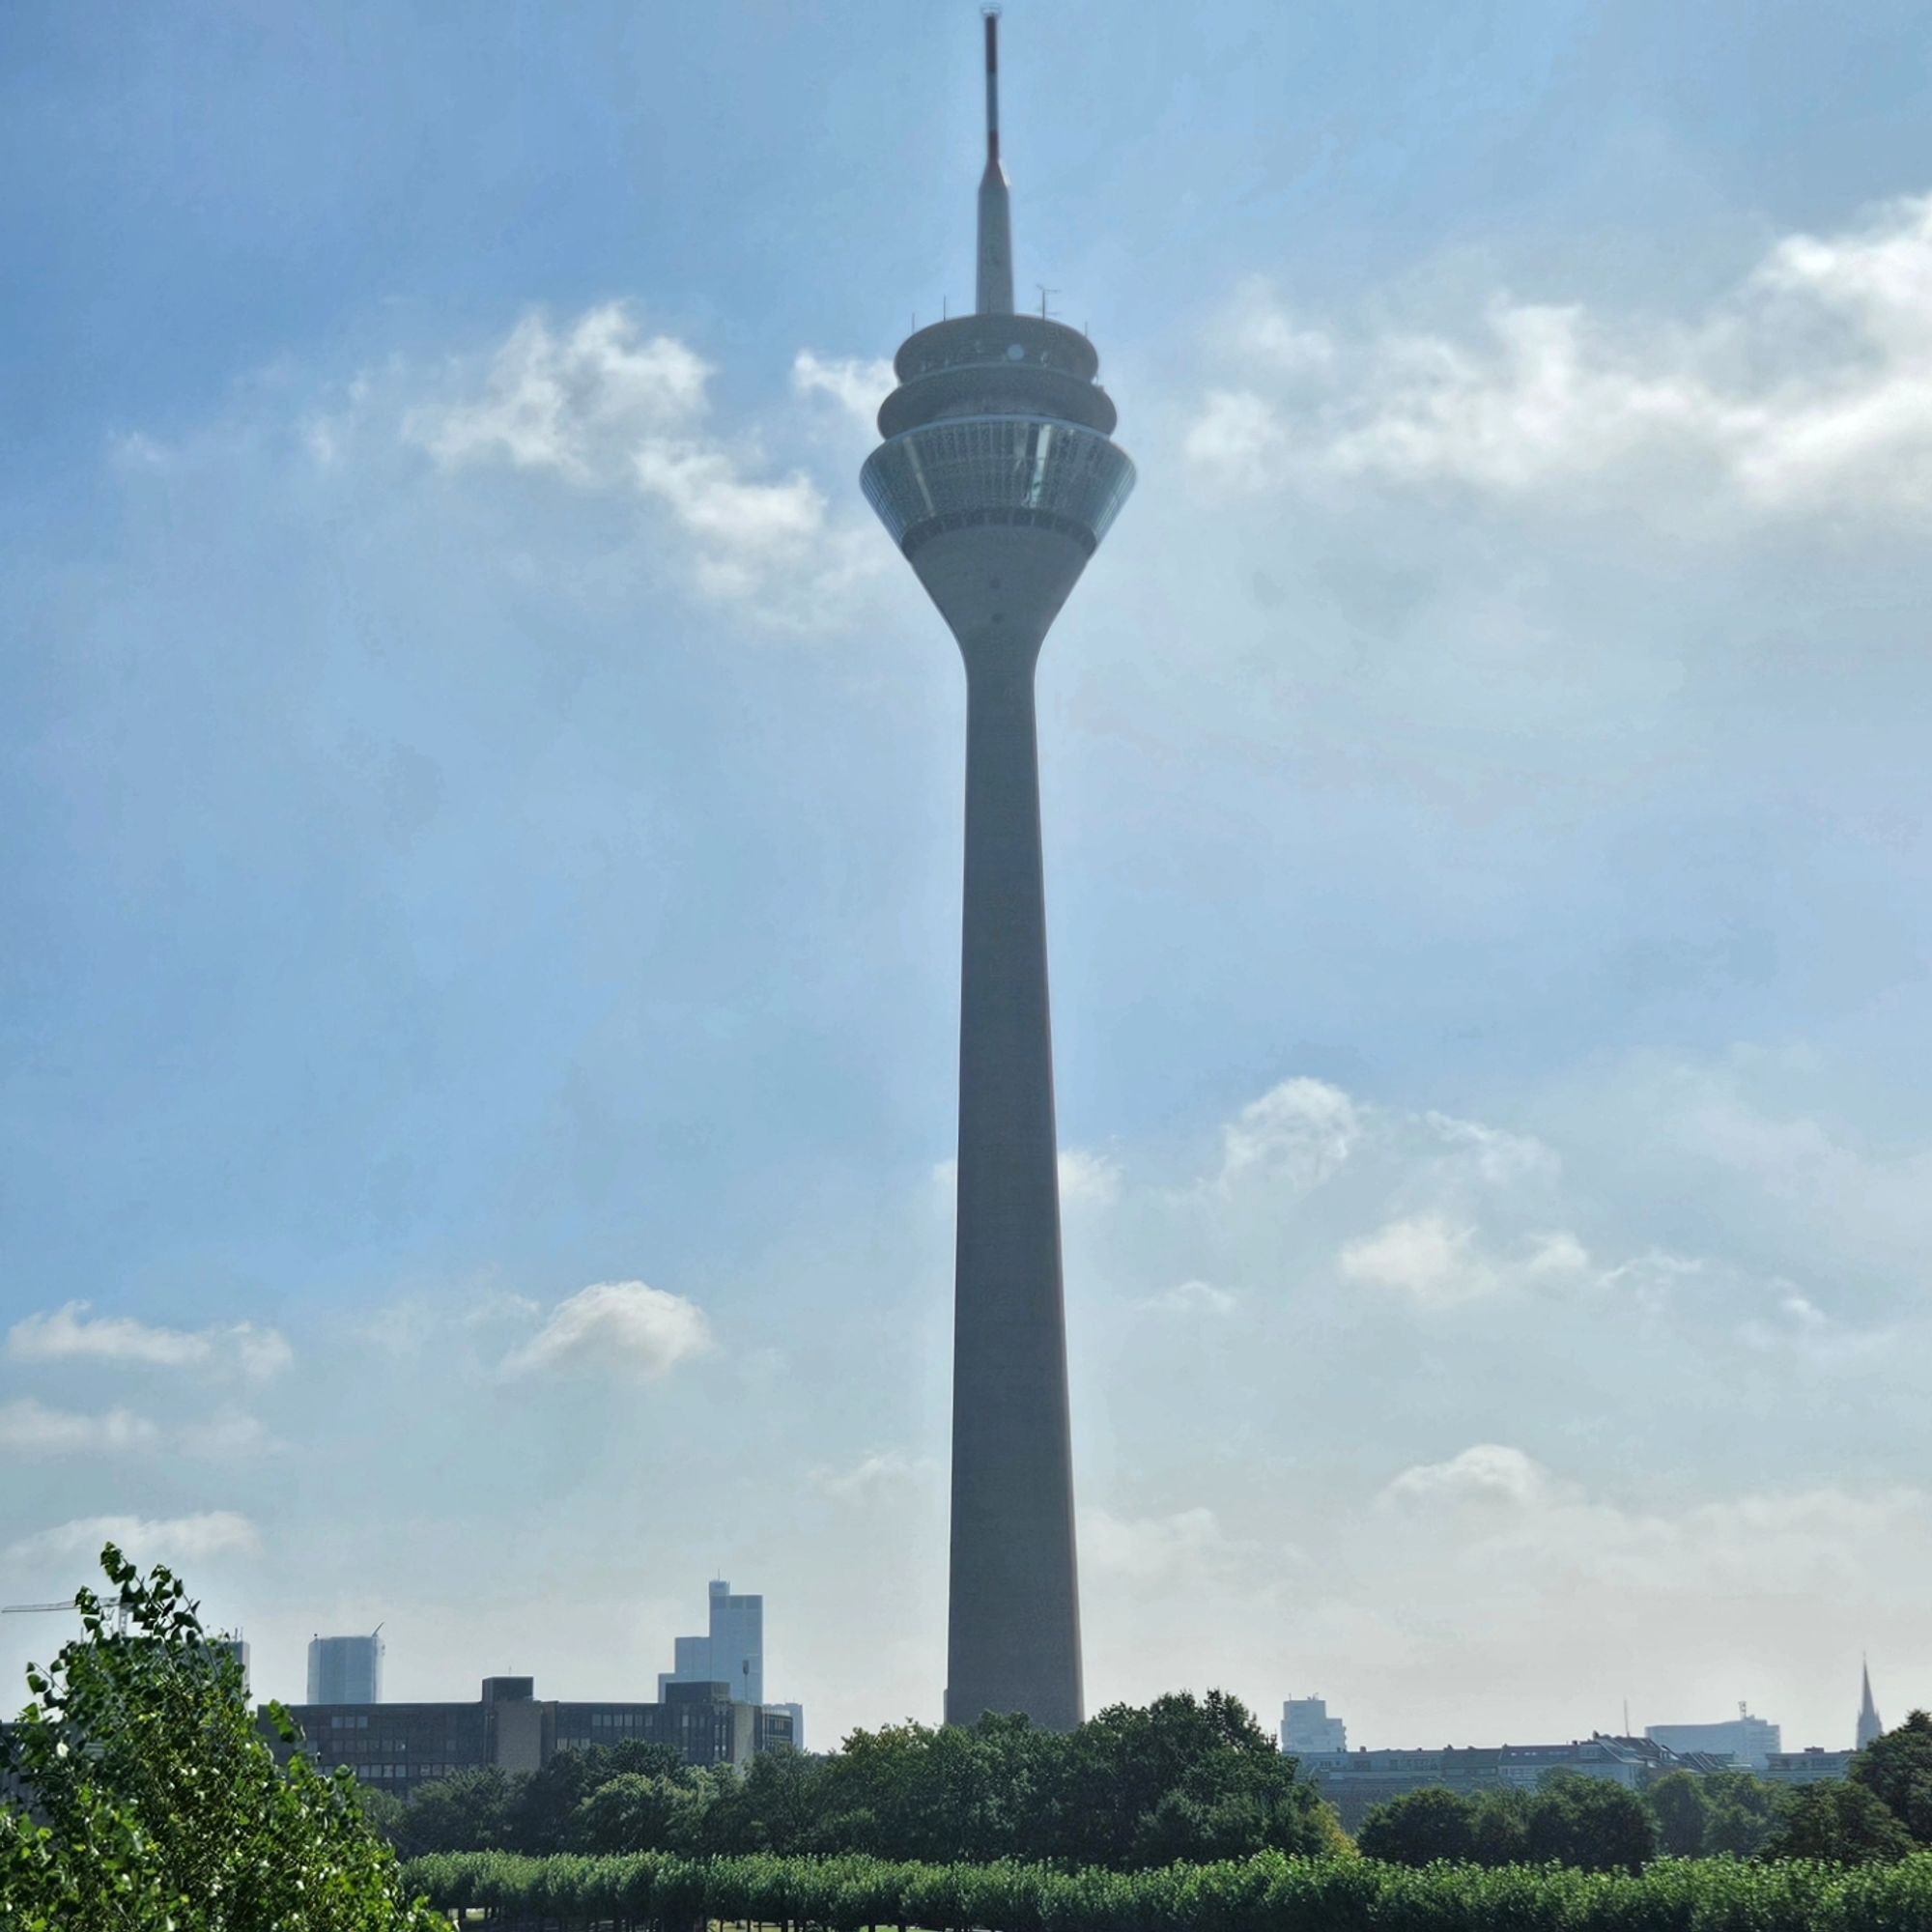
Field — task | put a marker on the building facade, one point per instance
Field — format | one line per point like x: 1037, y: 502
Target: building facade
x: 400, y: 1748
x: 1748, y: 1742
x: 346, y: 1669
x: 1810, y: 1766
x: 1307, y: 1726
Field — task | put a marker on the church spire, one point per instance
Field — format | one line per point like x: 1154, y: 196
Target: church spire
x: 1871, y: 1729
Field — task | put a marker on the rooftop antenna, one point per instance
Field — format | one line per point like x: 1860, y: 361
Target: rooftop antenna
x: 993, y: 294
x: 1044, y: 292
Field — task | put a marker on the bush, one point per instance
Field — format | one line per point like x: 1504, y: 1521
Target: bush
x: 1270, y: 1892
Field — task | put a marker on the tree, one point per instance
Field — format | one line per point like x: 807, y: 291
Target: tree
x: 157, y: 1800
x: 1499, y: 1827
x: 1840, y: 1822
x: 1898, y: 1770
x: 784, y: 1801
x: 540, y: 1815
x: 466, y: 1811
x: 630, y: 1812
x: 1419, y: 1827
x: 1590, y: 1823
x: 1742, y: 1813
x: 1184, y: 1778
x: 1677, y: 1803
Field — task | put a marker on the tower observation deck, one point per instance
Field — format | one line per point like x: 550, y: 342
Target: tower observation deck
x: 997, y: 478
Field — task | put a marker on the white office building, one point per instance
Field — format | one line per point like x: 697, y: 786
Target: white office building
x: 1307, y: 1726
x: 1747, y: 1741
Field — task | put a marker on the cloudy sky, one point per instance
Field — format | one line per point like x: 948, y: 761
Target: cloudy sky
x: 479, y: 838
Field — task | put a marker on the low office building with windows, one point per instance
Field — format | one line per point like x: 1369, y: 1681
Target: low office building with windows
x: 1811, y: 1766
x: 400, y: 1748
x: 1355, y: 1781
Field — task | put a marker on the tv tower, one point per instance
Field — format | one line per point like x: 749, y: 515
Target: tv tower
x: 998, y: 480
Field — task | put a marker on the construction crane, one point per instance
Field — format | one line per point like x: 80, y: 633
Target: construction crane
x: 120, y: 1611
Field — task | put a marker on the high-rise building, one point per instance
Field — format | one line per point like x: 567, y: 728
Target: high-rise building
x: 346, y: 1669
x: 997, y: 479
x: 733, y: 1651
x: 1307, y: 1726
x: 234, y: 1646
x: 1871, y: 1729
x: 1748, y: 1742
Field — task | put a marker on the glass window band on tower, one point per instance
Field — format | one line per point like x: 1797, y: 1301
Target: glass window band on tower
x: 997, y: 470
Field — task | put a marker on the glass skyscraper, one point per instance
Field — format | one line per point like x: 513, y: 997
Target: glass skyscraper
x: 731, y: 1652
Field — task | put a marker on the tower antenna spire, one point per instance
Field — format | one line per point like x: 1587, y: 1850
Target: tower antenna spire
x: 994, y: 291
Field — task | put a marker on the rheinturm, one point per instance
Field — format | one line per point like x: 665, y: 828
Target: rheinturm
x: 998, y: 478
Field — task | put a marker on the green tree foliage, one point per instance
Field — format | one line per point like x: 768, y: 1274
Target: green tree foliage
x: 156, y: 1802
x: 1842, y: 1823
x: 1589, y: 1823
x: 631, y: 1813
x: 1742, y: 1814
x: 1898, y: 1770
x: 1585, y: 1822
x: 1419, y: 1827
x: 467, y: 1811
x: 1678, y: 1805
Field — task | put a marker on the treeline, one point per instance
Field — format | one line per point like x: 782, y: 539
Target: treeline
x: 1185, y: 1778
x: 1882, y: 1810
x: 660, y: 1892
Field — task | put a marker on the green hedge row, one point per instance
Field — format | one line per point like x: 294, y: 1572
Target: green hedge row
x: 1266, y: 1894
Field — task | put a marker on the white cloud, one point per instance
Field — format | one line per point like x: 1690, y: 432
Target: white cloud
x: 1300, y: 1131
x: 879, y: 1473
x: 1808, y: 384
x: 1423, y: 1256
x: 598, y: 404
x: 1239, y: 438
x: 71, y: 1334
x: 1499, y: 1155
x: 568, y: 402
x: 1489, y: 1475
x: 1089, y: 1179
x: 1440, y: 1263
x: 1152, y: 1550
x: 1194, y: 1298
x: 856, y: 385
x: 29, y: 1428
x: 614, y: 1327
x: 230, y: 1436
x: 147, y: 1540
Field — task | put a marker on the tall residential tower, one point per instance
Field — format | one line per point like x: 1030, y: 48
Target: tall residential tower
x: 996, y: 480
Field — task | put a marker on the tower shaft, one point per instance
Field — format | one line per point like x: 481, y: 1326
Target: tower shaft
x: 1013, y: 1619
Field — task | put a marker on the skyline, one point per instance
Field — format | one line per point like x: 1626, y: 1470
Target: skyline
x: 1487, y: 835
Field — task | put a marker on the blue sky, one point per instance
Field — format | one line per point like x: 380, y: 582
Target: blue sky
x: 481, y: 843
